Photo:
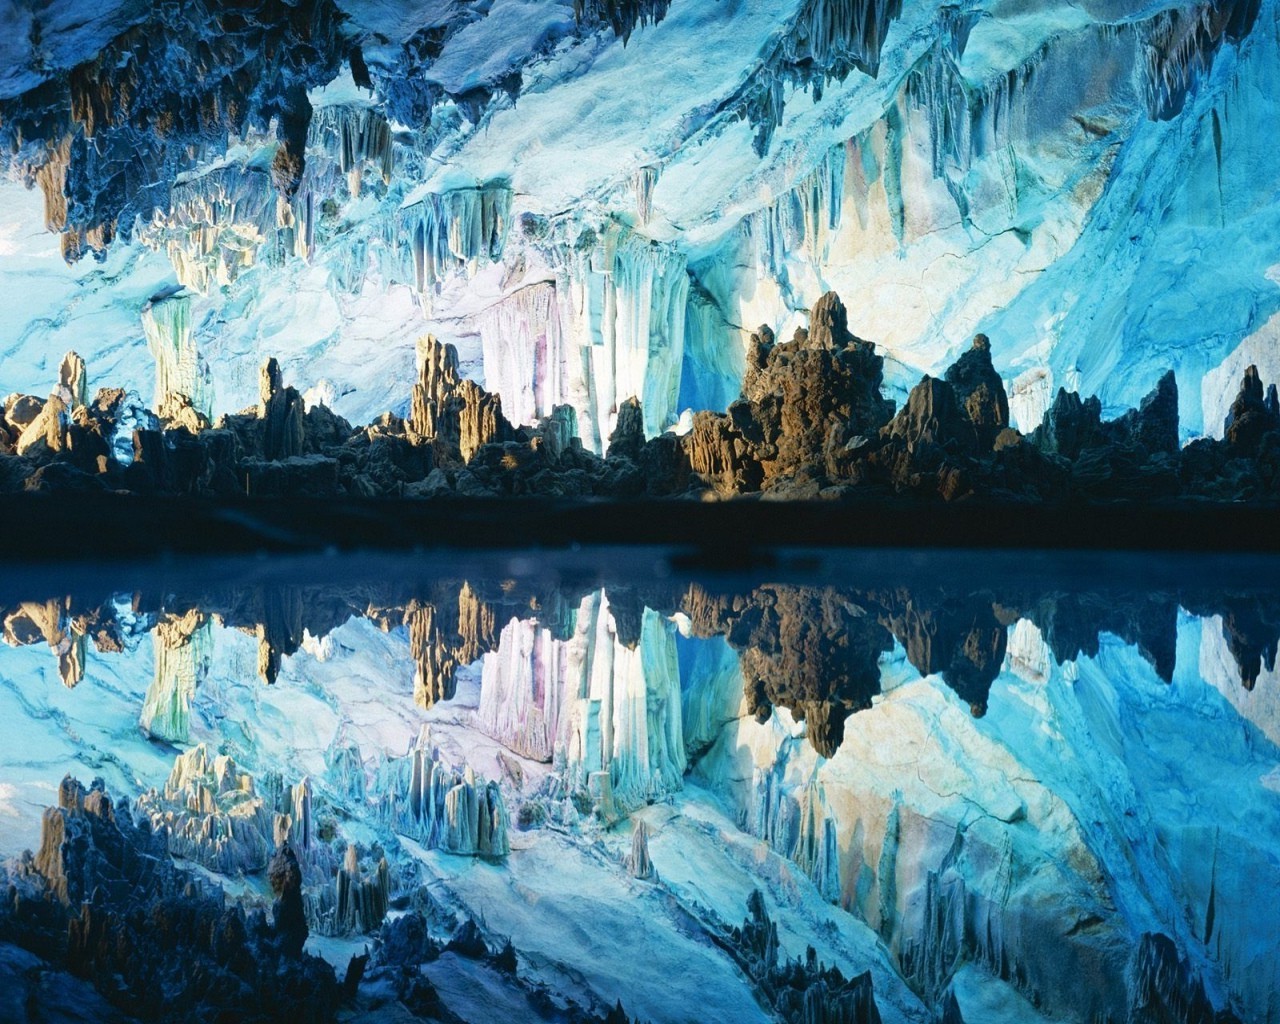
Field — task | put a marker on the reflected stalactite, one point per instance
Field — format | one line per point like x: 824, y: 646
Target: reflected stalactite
x: 183, y: 656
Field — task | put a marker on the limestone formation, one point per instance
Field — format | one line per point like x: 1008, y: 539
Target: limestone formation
x: 73, y: 387
x: 798, y: 990
x: 981, y: 391
x: 103, y: 899
x: 211, y: 814
x: 810, y: 422
x: 452, y: 410
x: 442, y: 807
x: 282, y: 411
x: 638, y: 863
x: 288, y: 912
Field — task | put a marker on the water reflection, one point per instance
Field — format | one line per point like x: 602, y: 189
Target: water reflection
x: 986, y: 780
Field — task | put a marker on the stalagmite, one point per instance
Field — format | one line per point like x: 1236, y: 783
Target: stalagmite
x: 451, y: 409
x: 73, y: 381
x: 282, y: 410
x: 356, y: 903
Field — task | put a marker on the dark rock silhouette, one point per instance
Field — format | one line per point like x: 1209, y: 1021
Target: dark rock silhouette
x: 103, y: 899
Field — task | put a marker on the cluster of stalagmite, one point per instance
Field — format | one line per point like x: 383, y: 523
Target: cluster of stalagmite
x: 450, y: 409
x: 212, y: 814
x: 355, y: 903
x: 442, y: 807
x: 800, y: 991
x: 103, y: 899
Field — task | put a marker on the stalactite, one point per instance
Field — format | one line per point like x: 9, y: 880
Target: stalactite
x: 183, y: 655
x: 359, y: 136
x: 526, y: 360
x: 522, y: 686
x: 625, y: 720
x: 443, y: 233
x: 1179, y: 45
x: 623, y: 16
x: 827, y: 40
x: 803, y: 218
x: 180, y: 368
x: 625, y: 308
x: 606, y: 714
x: 643, y: 182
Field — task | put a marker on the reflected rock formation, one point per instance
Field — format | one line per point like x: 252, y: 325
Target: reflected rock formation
x: 989, y: 788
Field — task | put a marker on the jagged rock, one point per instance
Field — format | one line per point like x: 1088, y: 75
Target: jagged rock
x: 559, y: 431
x: 282, y: 411
x: 1070, y: 426
x: 804, y: 648
x: 467, y: 941
x: 288, y: 911
x: 324, y: 429
x: 1153, y: 426
x: 720, y: 455
x: 801, y: 401
x: 211, y: 814
x: 1166, y: 990
x: 1249, y: 420
x: 627, y: 439
x: 20, y: 410
x: 294, y: 476
x: 73, y: 386
x: 798, y: 990
x: 933, y: 417
x: 46, y: 434
x: 451, y: 410
x: 177, y: 413
x: 981, y: 391
x: 103, y: 899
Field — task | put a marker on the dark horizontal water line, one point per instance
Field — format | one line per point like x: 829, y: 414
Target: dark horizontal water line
x: 736, y: 534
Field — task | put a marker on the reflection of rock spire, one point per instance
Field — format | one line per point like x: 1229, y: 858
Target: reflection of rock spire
x: 811, y: 650
x: 33, y: 621
x: 444, y: 633
x: 433, y: 677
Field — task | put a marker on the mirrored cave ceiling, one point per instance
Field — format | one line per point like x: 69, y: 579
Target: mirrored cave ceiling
x: 595, y: 199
